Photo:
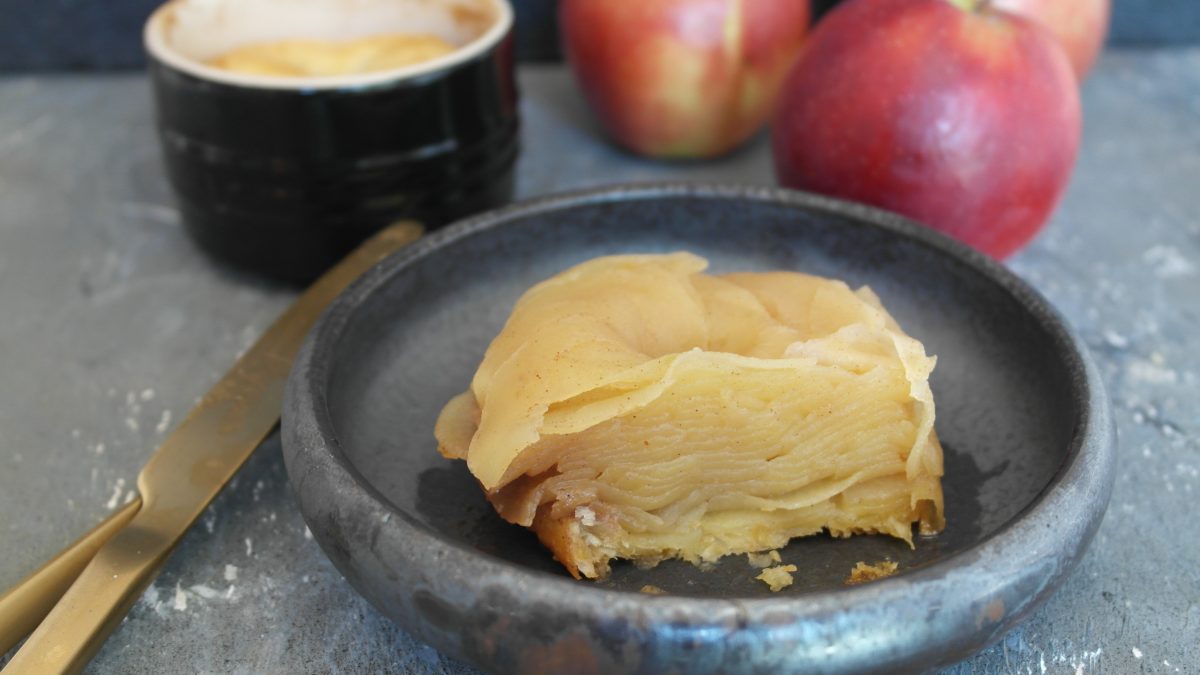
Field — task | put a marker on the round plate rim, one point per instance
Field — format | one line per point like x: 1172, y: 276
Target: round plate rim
x: 1071, y: 506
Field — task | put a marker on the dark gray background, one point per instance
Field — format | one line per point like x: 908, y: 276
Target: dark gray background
x: 106, y: 34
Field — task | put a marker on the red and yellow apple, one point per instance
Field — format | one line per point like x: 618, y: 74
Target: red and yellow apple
x: 682, y: 78
x: 953, y: 113
x: 1079, y: 25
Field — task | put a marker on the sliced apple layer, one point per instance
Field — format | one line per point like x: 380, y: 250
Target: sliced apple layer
x: 634, y: 407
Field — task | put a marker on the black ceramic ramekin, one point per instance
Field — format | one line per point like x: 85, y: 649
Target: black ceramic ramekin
x: 283, y: 176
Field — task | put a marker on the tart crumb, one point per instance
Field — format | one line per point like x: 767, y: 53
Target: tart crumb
x: 778, y: 577
x: 652, y: 590
x: 761, y: 560
x: 862, y: 572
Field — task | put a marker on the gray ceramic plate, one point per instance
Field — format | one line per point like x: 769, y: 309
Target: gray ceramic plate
x: 1025, y: 423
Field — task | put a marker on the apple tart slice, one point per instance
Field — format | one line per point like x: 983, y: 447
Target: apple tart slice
x: 634, y: 407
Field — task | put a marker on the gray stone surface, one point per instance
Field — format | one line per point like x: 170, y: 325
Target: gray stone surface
x: 112, y: 325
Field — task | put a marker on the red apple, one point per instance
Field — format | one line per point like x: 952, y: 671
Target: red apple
x: 682, y: 78
x: 960, y: 116
x: 1079, y: 25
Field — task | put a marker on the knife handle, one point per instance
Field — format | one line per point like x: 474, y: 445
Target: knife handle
x: 98, y: 600
x: 23, y: 606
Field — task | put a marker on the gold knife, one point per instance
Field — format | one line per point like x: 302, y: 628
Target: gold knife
x: 186, y: 472
x: 24, y: 606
